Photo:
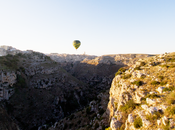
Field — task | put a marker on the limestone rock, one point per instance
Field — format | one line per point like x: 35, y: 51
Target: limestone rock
x: 115, y: 124
x: 130, y: 118
x: 150, y: 101
x: 160, y: 89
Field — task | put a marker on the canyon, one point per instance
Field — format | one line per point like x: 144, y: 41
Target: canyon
x: 62, y: 91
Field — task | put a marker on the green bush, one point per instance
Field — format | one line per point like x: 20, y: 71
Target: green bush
x: 155, y: 83
x: 161, y: 77
x: 163, y: 83
x: 170, y: 110
x: 142, y: 63
x: 170, y: 59
x: 137, y: 68
x: 156, y: 115
x: 171, y: 88
x: 109, y: 128
x: 20, y: 81
x: 127, y: 76
x: 170, y: 99
x: 138, y: 83
x: 120, y: 71
x: 138, y: 122
x: 129, y: 106
x: 152, y: 96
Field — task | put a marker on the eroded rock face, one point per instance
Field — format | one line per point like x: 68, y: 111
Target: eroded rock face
x: 7, y: 80
x: 141, y: 85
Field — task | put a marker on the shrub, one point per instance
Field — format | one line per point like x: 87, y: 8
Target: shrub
x: 170, y: 59
x: 20, y: 82
x: 138, y: 83
x: 156, y: 115
x: 120, y: 71
x: 163, y: 83
x: 137, y: 68
x: 129, y: 106
x: 166, y: 89
x: 170, y: 99
x: 142, y: 63
x: 101, y: 111
x: 109, y: 128
x: 170, y: 110
x: 96, y: 125
x: 138, y: 122
x: 88, y: 110
x: 155, y: 83
x: 161, y: 77
x: 152, y: 96
x: 127, y: 76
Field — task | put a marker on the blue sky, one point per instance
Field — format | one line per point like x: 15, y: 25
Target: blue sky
x: 102, y: 26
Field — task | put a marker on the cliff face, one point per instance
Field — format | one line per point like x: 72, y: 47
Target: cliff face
x: 143, y: 95
x: 7, y: 79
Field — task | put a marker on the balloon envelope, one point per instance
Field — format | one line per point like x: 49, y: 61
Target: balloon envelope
x: 76, y: 44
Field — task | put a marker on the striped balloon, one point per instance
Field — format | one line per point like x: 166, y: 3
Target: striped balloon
x: 76, y: 44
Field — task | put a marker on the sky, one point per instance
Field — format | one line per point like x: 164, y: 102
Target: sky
x: 102, y: 26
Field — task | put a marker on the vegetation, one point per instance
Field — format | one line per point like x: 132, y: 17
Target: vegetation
x: 155, y: 83
x: 142, y: 63
x: 138, y: 83
x: 120, y: 71
x: 170, y: 110
x: 170, y: 99
x: 128, y: 107
x: 109, y: 128
x: 9, y: 62
x: 153, y: 117
x: 138, y: 122
x: 152, y: 96
x: 126, y: 76
x: 137, y: 68
x: 171, y: 88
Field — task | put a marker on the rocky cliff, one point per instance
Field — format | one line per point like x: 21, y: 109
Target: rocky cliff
x: 143, y: 95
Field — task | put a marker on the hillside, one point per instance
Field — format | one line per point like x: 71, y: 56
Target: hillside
x: 142, y: 96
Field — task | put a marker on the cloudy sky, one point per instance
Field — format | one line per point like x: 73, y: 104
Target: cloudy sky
x: 102, y: 26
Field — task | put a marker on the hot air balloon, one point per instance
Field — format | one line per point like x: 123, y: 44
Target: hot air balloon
x: 76, y: 44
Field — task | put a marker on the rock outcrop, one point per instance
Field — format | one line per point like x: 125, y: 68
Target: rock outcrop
x: 7, y: 80
x: 144, y: 95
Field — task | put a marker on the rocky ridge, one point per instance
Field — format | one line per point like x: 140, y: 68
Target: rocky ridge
x: 142, y: 96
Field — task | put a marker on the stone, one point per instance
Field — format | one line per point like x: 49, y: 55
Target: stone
x: 152, y: 110
x: 160, y: 89
x: 164, y: 120
x: 150, y: 101
x: 158, y: 122
x: 115, y: 124
x: 130, y: 118
x: 118, y: 114
x: 145, y: 122
x: 172, y: 123
x: 145, y: 107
